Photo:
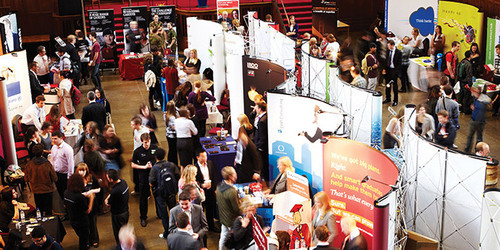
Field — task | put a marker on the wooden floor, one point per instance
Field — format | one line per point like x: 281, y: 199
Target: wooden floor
x: 125, y: 98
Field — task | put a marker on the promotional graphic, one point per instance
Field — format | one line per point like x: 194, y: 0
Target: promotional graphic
x: 492, y: 39
x: 462, y: 23
x: 228, y: 10
x: 324, y: 17
x: 103, y: 23
x: 11, y: 33
x: 355, y: 176
x: 133, y: 36
x: 166, y: 14
x: 401, y: 16
x: 15, y: 71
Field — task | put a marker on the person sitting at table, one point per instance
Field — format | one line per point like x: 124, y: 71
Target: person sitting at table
x: 43, y: 241
x: 40, y: 173
x: 56, y: 119
x: 417, y: 42
x: 79, y: 206
x: 242, y: 226
x: 111, y: 147
x: 8, y: 208
x: 193, y: 65
x: 45, y: 137
x: 279, y: 185
x: 91, y: 132
x: 198, y: 98
x: 31, y: 138
x: 64, y: 92
x: 34, y: 115
x: 185, y: 129
x: 247, y: 161
x: 323, y: 216
x: 91, y: 186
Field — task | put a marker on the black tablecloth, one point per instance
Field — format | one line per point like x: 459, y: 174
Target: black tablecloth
x: 53, y: 226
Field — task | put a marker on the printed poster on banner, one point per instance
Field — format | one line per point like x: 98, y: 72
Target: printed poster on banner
x: 492, y: 39
x: 324, y: 17
x: 401, y: 16
x: 103, y: 23
x: 14, y: 69
x: 353, y: 174
x: 258, y: 235
x: 462, y: 23
x: 228, y: 10
x: 166, y: 14
x: 135, y: 37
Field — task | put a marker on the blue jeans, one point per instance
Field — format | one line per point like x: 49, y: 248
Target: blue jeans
x: 224, y: 233
x: 161, y: 206
x: 112, y: 165
x: 96, y: 79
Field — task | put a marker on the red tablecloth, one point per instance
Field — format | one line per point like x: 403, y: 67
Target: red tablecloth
x: 131, y: 68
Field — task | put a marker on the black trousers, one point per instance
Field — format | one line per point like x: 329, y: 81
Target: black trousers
x: 82, y: 230
x: 405, y: 82
x: 44, y: 79
x: 24, y: 128
x: 203, y: 128
x: 264, y: 155
x: 391, y: 75
x: 172, y: 150
x: 144, y: 192
x: 94, y: 233
x: 209, y: 205
x: 44, y: 203
x: 135, y: 178
x: 185, y: 149
x: 61, y: 184
x: 117, y: 221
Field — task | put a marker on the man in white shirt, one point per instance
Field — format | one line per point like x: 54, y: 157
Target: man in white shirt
x: 34, y: 116
x: 42, y: 61
x: 62, y: 160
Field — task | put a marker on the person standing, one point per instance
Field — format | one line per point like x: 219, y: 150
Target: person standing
x: 183, y: 238
x: 133, y: 38
x: 34, y: 115
x: 260, y: 137
x: 392, y: 71
x: 185, y: 129
x: 247, y: 161
x: 228, y: 202
x: 451, y: 60
x: 64, y: 92
x: 205, y: 177
x: 373, y: 64
x: 79, y: 205
x: 72, y: 51
x: 292, y: 30
x: 94, y: 112
x: 155, y: 24
x: 111, y: 147
x: 437, y: 44
x: 196, y: 216
x: 36, y: 88
x: 357, y: 79
x: 478, y: 118
x: 482, y: 149
x: 164, y: 186
x: 143, y: 160
x: 464, y: 75
x: 95, y: 60
x: 171, y: 40
x: 117, y: 200
x: 446, y: 103
x: 42, y: 64
x: 446, y: 130
x: 170, y: 116
x: 354, y: 240
x: 405, y: 63
x: 62, y: 160
x: 42, y: 177
x: 171, y: 79
x: 198, y: 98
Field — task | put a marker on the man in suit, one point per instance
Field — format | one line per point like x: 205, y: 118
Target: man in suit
x: 354, y: 239
x: 225, y: 18
x: 133, y: 37
x: 197, y: 218
x: 260, y: 137
x: 182, y: 238
x: 391, y: 71
x: 322, y: 234
x: 248, y: 162
x: 205, y: 177
x: 36, y: 88
x: 75, y: 59
x: 94, y: 112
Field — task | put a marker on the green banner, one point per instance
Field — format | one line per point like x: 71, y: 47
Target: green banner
x: 492, y: 39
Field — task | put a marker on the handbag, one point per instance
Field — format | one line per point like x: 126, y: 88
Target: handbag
x: 201, y: 192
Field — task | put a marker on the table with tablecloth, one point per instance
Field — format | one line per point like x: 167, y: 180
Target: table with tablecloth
x: 131, y: 66
x: 219, y: 158
x: 417, y: 72
x: 52, y: 225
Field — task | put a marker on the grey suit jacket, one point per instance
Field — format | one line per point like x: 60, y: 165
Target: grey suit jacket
x: 279, y: 185
x: 329, y: 221
x: 198, y: 220
x: 182, y: 241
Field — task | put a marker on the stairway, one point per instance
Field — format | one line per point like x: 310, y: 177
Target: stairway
x: 301, y: 9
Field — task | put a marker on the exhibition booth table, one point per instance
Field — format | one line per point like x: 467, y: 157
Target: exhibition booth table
x: 52, y: 225
x: 417, y: 72
x: 221, y: 151
x: 131, y: 66
x: 253, y: 192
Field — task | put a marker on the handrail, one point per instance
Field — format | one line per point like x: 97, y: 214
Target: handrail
x: 280, y: 19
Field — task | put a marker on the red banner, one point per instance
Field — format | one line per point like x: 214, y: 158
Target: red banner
x: 258, y: 235
x: 346, y: 164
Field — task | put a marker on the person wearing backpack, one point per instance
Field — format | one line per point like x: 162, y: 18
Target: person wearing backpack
x: 451, y: 63
x: 164, y: 186
x: 371, y: 68
x: 464, y: 75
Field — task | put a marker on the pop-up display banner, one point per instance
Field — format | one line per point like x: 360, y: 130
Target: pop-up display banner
x: 138, y: 14
x: 295, y: 129
x: 492, y: 39
x: 166, y: 14
x: 401, y: 16
x: 445, y: 189
x: 324, y: 17
x: 462, y: 23
x: 356, y: 175
x: 100, y: 21
x: 490, y: 217
x: 200, y: 37
x: 14, y: 69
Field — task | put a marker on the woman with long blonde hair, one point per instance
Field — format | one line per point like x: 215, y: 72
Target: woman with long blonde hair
x: 193, y: 64
x: 279, y: 185
x: 323, y: 216
x: 245, y: 125
x: 188, y: 176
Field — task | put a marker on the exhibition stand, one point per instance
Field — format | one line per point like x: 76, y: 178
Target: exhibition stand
x: 490, y: 218
x: 131, y: 66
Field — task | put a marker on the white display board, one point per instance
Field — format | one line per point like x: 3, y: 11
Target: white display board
x: 443, y: 199
x: 404, y: 15
x: 234, y: 51
x: 14, y: 68
x: 490, y: 220
x: 200, y: 37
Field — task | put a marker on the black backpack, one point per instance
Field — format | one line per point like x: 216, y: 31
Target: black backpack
x: 167, y: 184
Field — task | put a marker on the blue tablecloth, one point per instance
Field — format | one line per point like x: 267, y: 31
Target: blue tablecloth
x: 219, y: 158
